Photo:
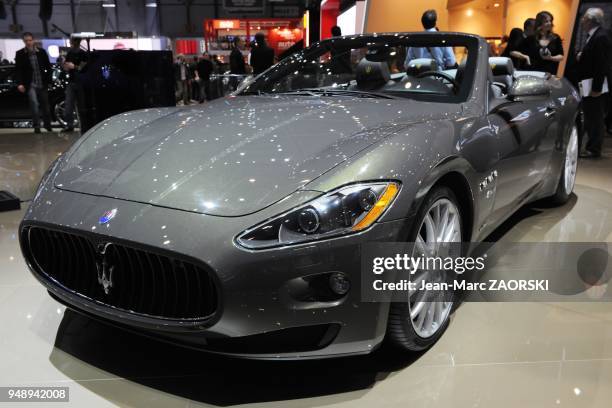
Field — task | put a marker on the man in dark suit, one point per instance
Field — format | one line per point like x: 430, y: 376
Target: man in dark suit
x: 33, y: 74
x: 593, y: 69
x: 76, y: 58
x: 237, y: 65
x: 262, y: 56
x: 205, y: 69
x: 340, y: 58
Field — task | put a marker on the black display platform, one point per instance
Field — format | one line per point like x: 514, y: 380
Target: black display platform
x: 9, y: 202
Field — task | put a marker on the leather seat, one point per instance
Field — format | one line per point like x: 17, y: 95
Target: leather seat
x: 372, y: 75
x: 502, y: 69
x: 419, y: 65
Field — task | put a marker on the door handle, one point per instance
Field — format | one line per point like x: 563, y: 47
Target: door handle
x: 550, y: 111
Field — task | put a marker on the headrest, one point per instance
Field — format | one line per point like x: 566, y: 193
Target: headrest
x: 501, y: 66
x: 371, y: 74
x: 420, y: 65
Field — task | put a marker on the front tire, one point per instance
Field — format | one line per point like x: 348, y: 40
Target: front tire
x: 567, y: 180
x: 418, y: 323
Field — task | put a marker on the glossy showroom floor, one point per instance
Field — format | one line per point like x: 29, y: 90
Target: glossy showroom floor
x: 493, y: 354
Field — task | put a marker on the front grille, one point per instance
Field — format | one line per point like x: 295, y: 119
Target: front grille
x: 120, y: 276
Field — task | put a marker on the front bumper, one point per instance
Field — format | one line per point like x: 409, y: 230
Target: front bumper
x: 258, y: 304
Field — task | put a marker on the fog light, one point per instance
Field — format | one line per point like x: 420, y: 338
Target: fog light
x: 339, y: 283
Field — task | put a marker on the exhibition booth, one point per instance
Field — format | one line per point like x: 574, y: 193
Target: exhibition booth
x: 280, y: 33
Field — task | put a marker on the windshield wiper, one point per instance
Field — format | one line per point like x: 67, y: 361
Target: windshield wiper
x: 300, y: 92
x: 336, y: 92
x: 253, y: 93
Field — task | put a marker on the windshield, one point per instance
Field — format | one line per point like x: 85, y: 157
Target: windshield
x: 421, y: 66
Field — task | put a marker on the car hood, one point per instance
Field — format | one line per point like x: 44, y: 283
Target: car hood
x: 230, y: 157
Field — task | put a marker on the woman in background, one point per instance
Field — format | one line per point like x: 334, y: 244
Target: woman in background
x: 544, y: 49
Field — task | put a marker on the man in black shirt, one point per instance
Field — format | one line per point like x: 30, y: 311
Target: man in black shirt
x: 205, y: 69
x: 529, y: 27
x: 340, y: 58
x: 237, y: 65
x: 195, y: 87
x: 75, y: 61
x: 33, y: 74
x: 262, y: 56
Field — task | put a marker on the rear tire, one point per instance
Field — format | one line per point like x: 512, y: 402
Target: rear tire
x: 567, y: 180
x: 408, y: 325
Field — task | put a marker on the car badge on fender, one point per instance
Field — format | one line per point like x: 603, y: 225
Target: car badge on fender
x: 107, y: 216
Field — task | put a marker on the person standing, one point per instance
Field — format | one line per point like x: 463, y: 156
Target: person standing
x: 76, y: 58
x: 594, y: 73
x: 444, y: 56
x: 514, y: 43
x: 529, y: 27
x: 182, y: 76
x: 237, y: 65
x: 340, y: 58
x: 544, y: 49
x: 33, y: 75
x: 195, y: 79
x: 205, y: 69
x: 522, y: 60
x: 262, y: 56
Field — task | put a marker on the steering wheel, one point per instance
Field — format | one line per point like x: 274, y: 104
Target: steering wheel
x: 442, y: 75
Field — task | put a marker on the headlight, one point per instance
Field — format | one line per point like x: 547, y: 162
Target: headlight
x: 343, y: 211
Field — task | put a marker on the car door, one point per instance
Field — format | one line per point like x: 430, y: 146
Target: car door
x: 521, y: 126
x: 13, y: 104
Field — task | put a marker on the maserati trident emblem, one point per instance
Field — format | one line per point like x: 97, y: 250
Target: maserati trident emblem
x: 105, y: 269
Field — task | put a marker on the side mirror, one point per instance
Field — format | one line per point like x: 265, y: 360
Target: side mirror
x: 528, y: 86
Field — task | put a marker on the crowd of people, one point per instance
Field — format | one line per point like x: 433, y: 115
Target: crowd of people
x: 33, y: 74
x: 193, y: 78
x: 536, y: 47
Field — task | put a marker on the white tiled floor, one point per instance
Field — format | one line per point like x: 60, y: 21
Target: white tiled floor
x: 493, y: 354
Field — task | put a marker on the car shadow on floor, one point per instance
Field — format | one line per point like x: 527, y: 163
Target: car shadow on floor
x: 530, y: 210
x: 210, y: 378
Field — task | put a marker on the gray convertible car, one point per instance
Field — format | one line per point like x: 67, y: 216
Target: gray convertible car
x: 237, y: 226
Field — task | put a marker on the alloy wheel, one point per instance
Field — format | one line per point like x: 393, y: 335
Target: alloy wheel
x: 430, y: 309
x: 59, y: 111
x: 571, y: 162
